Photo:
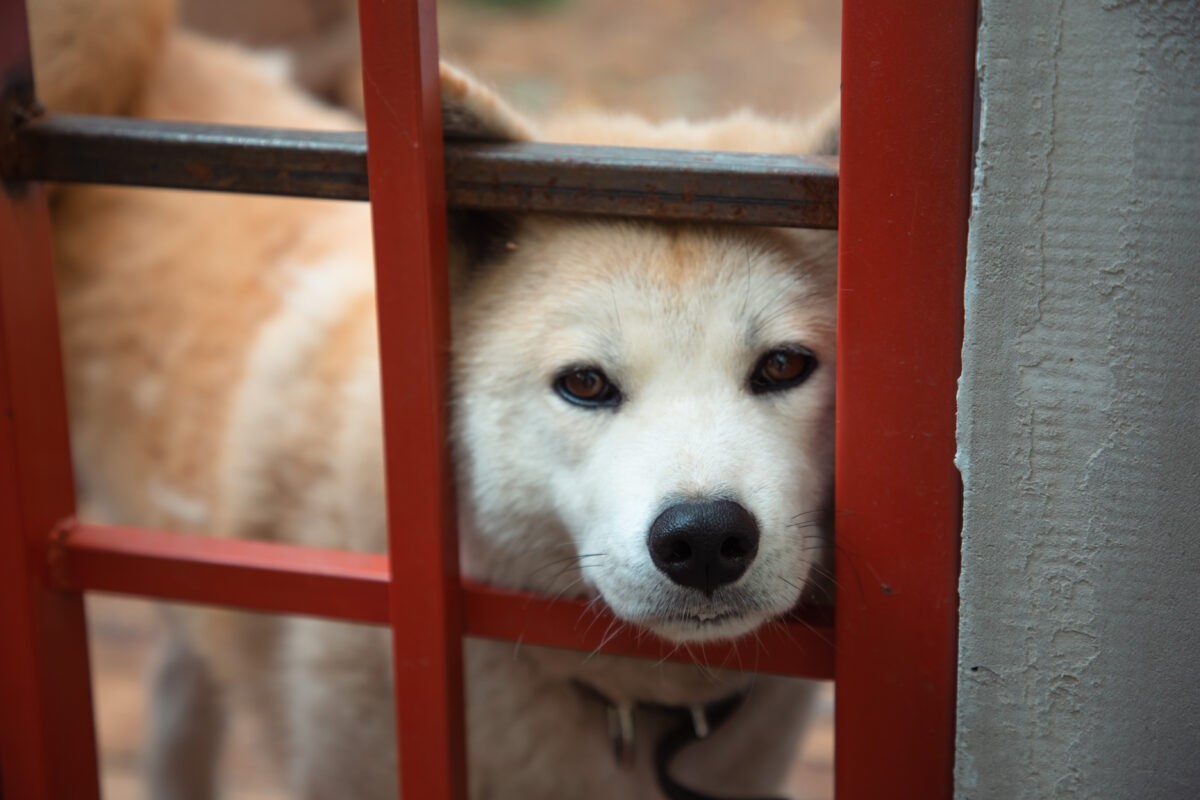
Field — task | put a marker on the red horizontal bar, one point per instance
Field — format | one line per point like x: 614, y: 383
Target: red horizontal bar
x: 801, y: 645
x: 288, y: 579
x: 262, y: 576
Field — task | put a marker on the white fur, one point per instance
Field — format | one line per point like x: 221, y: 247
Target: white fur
x: 689, y: 428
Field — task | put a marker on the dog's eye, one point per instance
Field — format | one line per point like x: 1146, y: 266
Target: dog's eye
x: 782, y: 368
x: 587, y: 386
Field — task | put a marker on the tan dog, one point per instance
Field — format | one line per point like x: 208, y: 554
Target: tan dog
x: 648, y: 404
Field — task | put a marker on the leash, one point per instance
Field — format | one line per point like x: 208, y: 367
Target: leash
x: 694, y: 723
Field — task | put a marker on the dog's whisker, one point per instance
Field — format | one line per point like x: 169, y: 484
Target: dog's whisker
x: 760, y: 648
x: 824, y: 572
x: 734, y: 654
x: 572, y: 567
x: 611, y: 632
x: 782, y: 627
x: 789, y: 583
x: 591, y: 610
x: 667, y: 656
x: 786, y: 632
x: 558, y: 561
x: 825, y: 587
x: 558, y: 595
x: 542, y: 548
x: 817, y: 632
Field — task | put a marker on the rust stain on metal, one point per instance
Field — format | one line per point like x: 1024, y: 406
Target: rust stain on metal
x: 745, y: 188
x: 199, y: 170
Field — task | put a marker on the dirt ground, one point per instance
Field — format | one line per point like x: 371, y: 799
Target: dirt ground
x: 658, y: 58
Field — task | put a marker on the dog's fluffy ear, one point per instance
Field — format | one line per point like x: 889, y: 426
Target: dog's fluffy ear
x: 743, y: 131
x: 828, y: 127
x: 472, y: 111
x: 818, y: 133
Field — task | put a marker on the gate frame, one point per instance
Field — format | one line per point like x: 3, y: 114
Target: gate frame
x: 908, y: 112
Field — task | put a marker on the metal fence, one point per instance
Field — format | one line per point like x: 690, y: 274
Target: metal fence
x: 900, y: 200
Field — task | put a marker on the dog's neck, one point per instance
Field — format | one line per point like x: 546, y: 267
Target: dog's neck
x: 630, y: 681
x: 688, y: 724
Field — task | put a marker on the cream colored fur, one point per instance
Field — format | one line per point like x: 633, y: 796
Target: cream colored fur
x: 223, y: 378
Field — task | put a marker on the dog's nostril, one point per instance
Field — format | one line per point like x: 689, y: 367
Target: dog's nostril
x: 733, y: 548
x: 704, y: 544
x: 680, y: 551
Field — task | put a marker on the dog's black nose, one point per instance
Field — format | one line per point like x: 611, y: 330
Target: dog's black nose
x: 704, y: 544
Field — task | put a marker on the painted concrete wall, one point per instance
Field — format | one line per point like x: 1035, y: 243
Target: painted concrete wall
x: 1079, y: 417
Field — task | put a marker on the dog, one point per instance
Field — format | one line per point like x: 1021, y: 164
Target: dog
x: 641, y: 411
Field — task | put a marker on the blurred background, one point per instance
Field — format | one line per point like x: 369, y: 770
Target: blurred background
x: 658, y: 58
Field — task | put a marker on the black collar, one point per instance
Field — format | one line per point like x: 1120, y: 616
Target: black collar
x: 693, y: 723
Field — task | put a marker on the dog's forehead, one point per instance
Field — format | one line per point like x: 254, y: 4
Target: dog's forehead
x: 610, y: 292
x: 689, y: 279
x: 670, y: 263
x: 644, y: 300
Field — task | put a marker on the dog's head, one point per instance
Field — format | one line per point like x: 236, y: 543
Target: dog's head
x: 645, y: 410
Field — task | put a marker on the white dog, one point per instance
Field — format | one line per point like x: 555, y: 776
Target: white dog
x: 641, y: 413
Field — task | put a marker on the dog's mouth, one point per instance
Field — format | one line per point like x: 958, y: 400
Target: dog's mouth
x: 706, y: 624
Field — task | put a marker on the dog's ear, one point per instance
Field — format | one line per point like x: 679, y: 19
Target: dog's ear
x: 817, y: 134
x: 828, y: 127
x: 479, y: 237
x: 471, y: 111
x: 743, y: 131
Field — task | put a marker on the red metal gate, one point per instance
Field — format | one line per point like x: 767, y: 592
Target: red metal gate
x: 908, y: 86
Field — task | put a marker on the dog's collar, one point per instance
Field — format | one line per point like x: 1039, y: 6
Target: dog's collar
x: 693, y: 723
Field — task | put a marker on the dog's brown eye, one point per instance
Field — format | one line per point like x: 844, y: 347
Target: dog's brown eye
x: 587, y: 387
x: 781, y: 369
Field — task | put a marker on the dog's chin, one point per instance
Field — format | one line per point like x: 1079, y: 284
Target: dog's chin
x: 699, y: 628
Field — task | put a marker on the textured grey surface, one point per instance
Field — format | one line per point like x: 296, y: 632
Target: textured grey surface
x: 1079, y: 420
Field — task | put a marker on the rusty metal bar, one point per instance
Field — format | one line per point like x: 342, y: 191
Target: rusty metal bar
x: 335, y: 584
x: 73, y: 148
x: 704, y: 186
x: 756, y: 189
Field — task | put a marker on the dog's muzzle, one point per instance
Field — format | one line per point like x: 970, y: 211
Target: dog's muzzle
x: 704, y: 544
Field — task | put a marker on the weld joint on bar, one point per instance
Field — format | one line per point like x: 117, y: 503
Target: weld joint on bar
x: 18, y: 107
x: 57, y: 559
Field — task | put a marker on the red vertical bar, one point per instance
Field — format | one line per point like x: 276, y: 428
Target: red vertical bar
x: 907, y: 112
x: 404, y: 142
x: 47, y: 744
